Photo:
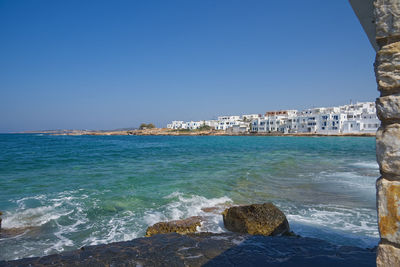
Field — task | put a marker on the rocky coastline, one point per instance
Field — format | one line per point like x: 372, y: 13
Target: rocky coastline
x: 169, y: 132
x: 260, y: 236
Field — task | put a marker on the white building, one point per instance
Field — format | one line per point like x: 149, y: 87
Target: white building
x: 175, y: 125
x: 211, y: 123
x: 250, y: 117
x: 224, y: 122
x: 181, y: 125
x: 363, y: 123
x: 275, y: 121
x: 353, y: 118
x: 242, y: 127
x: 193, y: 125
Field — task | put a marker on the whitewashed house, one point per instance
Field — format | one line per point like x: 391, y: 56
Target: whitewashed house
x: 224, y: 122
x: 363, y: 123
x: 211, y: 123
x: 353, y: 118
x: 242, y: 127
x: 181, y: 125
x: 275, y: 121
x: 193, y: 125
x: 175, y: 125
x: 321, y: 120
x: 250, y: 117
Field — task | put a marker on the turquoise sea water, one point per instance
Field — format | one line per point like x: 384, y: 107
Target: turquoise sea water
x: 66, y: 192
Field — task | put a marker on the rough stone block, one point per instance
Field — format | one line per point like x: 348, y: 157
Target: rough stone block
x: 388, y: 107
x: 388, y: 148
x: 388, y: 256
x: 183, y: 227
x: 256, y: 219
x: 387, y: 18
x: 388, y: 195
x: 387, y: 68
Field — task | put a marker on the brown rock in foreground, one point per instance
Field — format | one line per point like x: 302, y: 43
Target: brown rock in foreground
x: 185, y: 226
x: 256, y: 219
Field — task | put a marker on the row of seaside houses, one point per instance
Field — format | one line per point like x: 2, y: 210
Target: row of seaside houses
x: 225, y: 123
x: 354, y: 118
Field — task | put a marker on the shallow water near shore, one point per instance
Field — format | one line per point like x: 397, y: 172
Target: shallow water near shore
x: 66, y: 192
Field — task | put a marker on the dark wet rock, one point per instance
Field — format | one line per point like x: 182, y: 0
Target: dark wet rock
x: 206, y: 249
x: 0, y: 219
x: 185, y: 226
x: 291, y: 233
x: 256, y: 219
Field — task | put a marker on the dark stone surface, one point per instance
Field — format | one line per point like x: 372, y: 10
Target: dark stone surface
x: 205, y: 249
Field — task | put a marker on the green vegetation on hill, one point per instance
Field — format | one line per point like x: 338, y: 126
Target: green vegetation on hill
x: 204, y: 128
x: 146, y: 126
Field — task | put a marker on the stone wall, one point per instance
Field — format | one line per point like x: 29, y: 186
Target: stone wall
x: 387, y: 71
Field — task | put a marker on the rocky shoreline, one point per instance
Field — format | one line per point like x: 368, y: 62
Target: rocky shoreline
x: 260, y: 237
x: 169, y: 132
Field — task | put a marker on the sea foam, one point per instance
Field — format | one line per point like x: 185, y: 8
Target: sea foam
x: 183, y: 206
x: 351, y: 223
x: 367, y: 164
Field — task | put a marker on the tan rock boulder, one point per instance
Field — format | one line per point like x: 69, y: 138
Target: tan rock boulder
x: 185, y: 226
x: 388, y: 209
x: 388, y: 107
x: 388, y: 256
x: 387, y: 15
x: 256, y: 219
x: 388, y: 149
x: 387, y: 69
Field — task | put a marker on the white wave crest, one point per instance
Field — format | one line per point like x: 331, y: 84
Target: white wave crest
x: 118, y: 229
x: 367, y: 164
x: 350, y: 221
x: 183, y: 207
x: 353, y: 179
x: 32, y: 217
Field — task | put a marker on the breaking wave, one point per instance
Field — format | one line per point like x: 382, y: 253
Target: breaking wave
x: 342, y: 224
x: 368, y: 165
x: 71, y: 220
x: 184, y: 206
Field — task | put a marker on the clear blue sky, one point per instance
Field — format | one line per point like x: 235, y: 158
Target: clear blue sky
x: 110, y: 64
